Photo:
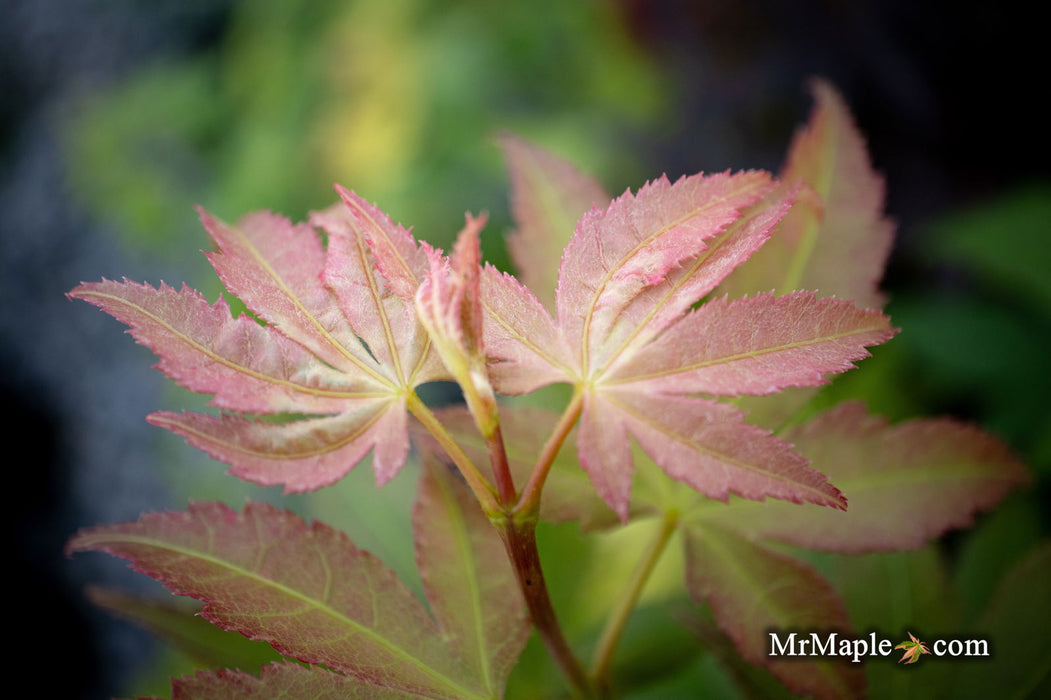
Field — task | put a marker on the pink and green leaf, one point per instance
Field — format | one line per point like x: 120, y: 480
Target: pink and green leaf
x: 913, y: 649
x: 627, y: 277
x: 305, y: 589
x: 175, y: 620
x: 290, y: 681
x: 469, y: 583
x: 835, y: 240
x: 341, y: 343
x: 303, y: 455
x: 525, y: 348
x: 635, y: 243
x: 398, y: 256
x: 907, y: 483
x: 383, y: 320
x: 548, y: 197
x: 657, y: 307
x: 275, y: 267
x: 702, y: 443
x: 248, y: 367
x: 758, y: 345
x: 752, y: 590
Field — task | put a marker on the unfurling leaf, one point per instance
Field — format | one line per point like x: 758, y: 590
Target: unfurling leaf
x: 449, y: 305
x: 342, y: 344
x: 312, y: 595
x: 626, y: 338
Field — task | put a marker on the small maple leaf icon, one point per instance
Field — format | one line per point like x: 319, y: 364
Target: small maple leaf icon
x: 913, y: 650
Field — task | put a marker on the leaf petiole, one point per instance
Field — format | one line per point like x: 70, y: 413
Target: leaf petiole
x: 483, y: 490
x: 505, y: 484
x: 603, y: 656
x: 529, y: 501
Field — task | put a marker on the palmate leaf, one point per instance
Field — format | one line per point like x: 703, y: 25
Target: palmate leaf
x: 341, y: 344
x: 636, y: 243
x: 626, y: 338
x: 312, y: 595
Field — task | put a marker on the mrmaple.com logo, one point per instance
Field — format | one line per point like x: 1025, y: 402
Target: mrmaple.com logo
x: 835, y: 645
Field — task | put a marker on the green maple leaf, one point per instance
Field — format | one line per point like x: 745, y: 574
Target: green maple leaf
x: 914, y: 649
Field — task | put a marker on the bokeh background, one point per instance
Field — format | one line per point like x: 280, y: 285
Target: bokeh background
x: 116, y: 117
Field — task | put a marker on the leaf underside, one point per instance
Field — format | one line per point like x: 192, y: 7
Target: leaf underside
x: 627, y: 338
x: 312, y: 595
x: 341, y: 343
x: 751, y: 589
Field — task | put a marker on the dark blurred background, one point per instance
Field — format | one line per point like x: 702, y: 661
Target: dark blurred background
x: 116, y: 117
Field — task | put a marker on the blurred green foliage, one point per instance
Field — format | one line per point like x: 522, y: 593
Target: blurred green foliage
x: 397, y: 100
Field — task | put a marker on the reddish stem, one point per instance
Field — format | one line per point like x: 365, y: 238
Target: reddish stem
x: 520, y: 542
x: 505, y: 485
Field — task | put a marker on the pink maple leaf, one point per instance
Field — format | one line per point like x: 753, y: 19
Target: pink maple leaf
x: 627, y: 337
x: 341, y: 348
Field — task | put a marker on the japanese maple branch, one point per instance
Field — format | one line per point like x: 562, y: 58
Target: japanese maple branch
x: 519, y: 537
x: 618, y: 619
x: 517, y: 527
x: 518, y: 532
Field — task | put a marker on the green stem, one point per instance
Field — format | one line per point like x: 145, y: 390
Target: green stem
x: 529, y: 501
x: 618, y: 619
x: 481, y: 487
x: 516, y: 523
